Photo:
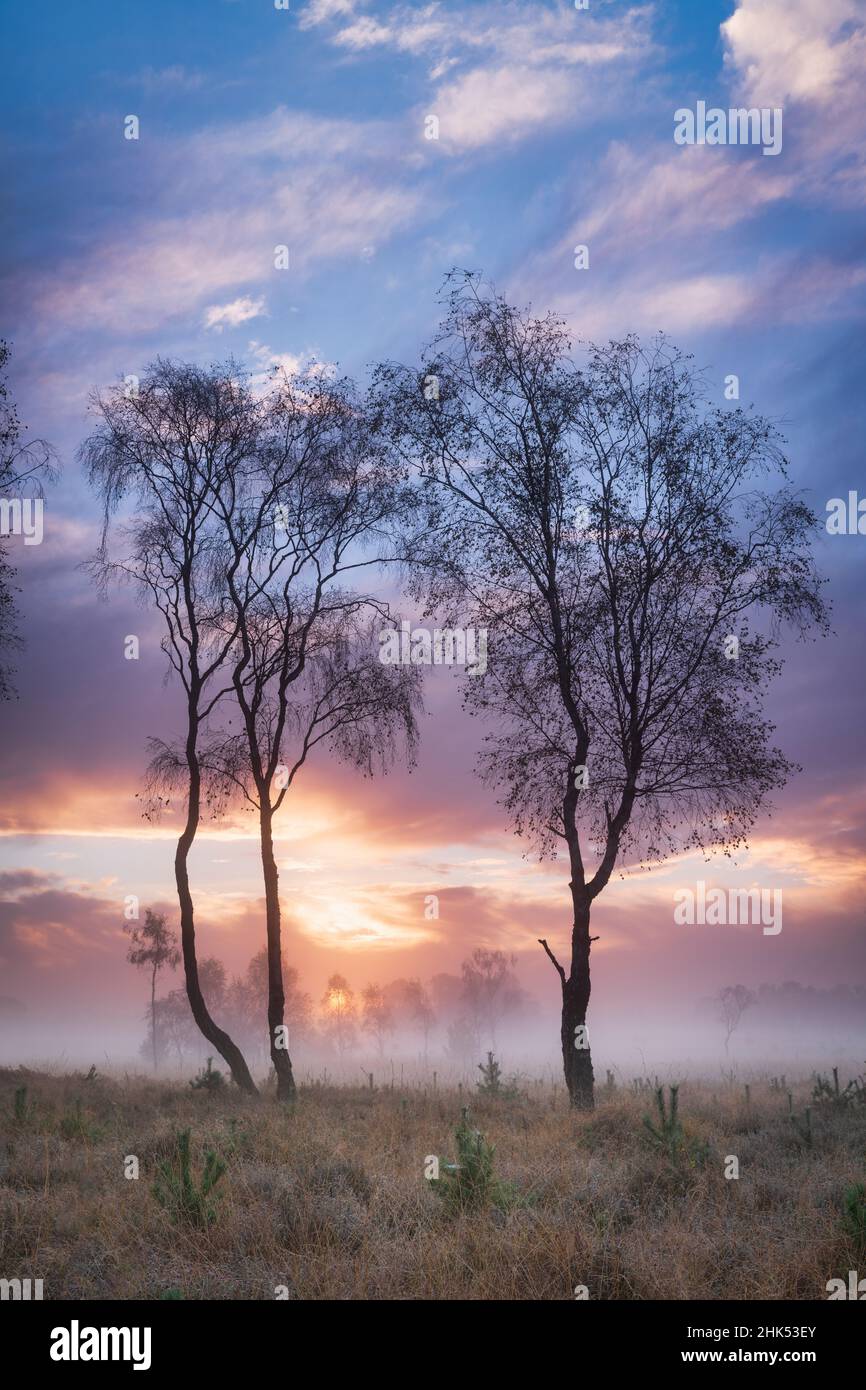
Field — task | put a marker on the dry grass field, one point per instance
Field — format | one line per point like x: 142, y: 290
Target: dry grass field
x: 329, y: 1199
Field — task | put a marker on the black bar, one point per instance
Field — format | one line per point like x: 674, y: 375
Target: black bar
x: 216, y: 1337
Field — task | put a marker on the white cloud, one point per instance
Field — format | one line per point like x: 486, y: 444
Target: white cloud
x: 695, y: 301
x: 439, y: 69
x: 537, y: 78
x: 684, y: 298
x: 522, y: 30
x: 324, y: 188
x: 364, y: 33
x: 283, y: 137
x: 664, y: 193
x: 220, y: 316
x: 408, y: 29
x: 799, y: 50
x: 267, y: 361
x: 810, y: 59
x: 321, y: 11
x: 648, y: 300
x: 502, y: 104
x: 521, y: 61
x: 652, y: 214
x: 292, y: 363
x: 543, y: 69
x: 289, y: 362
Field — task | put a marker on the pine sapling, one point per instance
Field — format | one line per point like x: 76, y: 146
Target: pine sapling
x: 470, y: 1183
x: 21, y: 1110
x: 668, y: 1135
x: 493, y: 1083
x: 491, y: 1077
x: 209, y: 1079
x: 74, y: 1125
x: 853, y: 1094
x: 176, y: 1188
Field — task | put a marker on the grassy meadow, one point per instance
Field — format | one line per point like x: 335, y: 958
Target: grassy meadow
x: 328, y: 1199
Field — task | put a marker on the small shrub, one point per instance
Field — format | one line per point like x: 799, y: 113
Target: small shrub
x: 20, y: 1108
x: 491, y: 1077
x: 470, y: 1184
x: 669, y: 1134
x: 239, y: 1139
x: 856, y: 1090
x: 492, y: 1082
x: 828, y: 1093
x: 178, y: 1192
x: 73, y: 1125
x: 208, y: 1079
x: 824, y: 1091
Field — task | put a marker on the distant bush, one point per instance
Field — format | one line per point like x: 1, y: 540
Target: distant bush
x: 830, y: 1093
x: 493, y: 1083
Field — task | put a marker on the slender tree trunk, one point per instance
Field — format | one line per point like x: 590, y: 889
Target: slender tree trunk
x: 230, y: 1053
x: 153, y: 1012
x: 276, y: 998
x: 576, y: 1052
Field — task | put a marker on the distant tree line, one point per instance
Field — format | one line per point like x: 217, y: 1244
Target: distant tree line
x: 467, y: 1011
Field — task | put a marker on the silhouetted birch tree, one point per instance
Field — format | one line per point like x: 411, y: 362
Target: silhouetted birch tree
x: 611, y: 530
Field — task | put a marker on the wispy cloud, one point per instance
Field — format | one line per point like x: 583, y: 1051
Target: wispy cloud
x: 525, y: 66
x: 175, y: 78
x: 250, y: 187
x: 320, y: 11
x: 220, y: 316
x: 677, y: 204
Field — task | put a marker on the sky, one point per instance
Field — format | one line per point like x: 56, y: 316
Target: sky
x: 309, y: 127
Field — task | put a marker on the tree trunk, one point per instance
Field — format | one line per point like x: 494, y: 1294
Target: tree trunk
x: 576, y: 1053
x: 276, y: 998
x: 153, y: 1012
x: 229, y: 1051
